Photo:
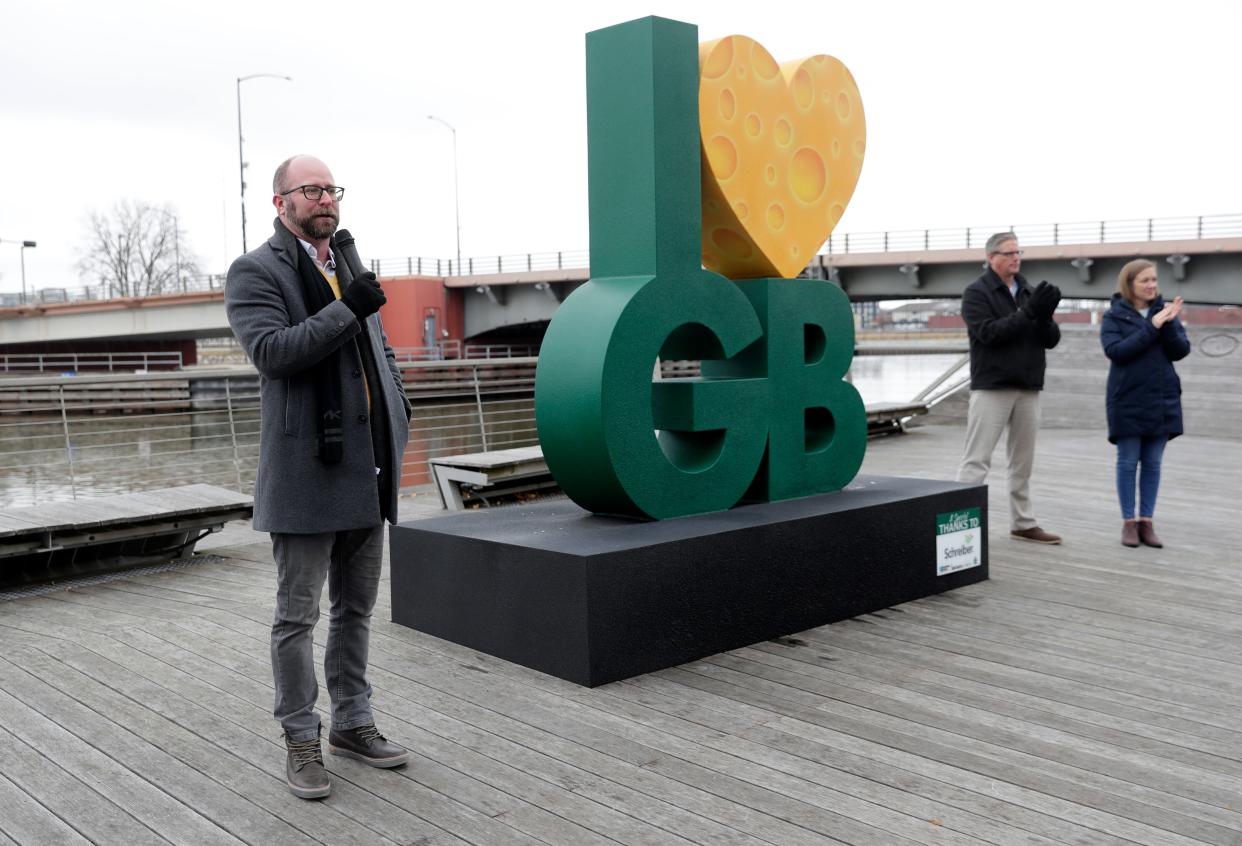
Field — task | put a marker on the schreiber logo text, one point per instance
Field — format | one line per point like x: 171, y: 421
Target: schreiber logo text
x: 959, y: 541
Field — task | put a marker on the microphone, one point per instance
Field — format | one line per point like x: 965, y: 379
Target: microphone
x: 349, y: 252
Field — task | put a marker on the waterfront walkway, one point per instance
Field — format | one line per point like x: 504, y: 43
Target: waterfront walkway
x: 1087, y: 694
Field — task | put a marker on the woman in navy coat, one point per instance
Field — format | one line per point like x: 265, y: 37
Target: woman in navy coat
x: 1142, y: 337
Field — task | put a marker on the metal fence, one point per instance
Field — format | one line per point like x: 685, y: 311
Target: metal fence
x: 455, y: 349
x: 64, y: 439
x: 67, y: 438
x: 126, y: 362
x: 73, y: 437
x: 950, y: 238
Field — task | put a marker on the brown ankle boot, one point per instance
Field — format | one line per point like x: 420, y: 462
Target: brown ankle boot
x: 1129, y: 533
x: 1148, y: 535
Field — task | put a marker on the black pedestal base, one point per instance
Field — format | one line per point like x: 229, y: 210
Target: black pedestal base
x: 596, y: 599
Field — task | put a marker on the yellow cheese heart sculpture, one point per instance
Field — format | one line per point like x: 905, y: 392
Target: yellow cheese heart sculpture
x: 783, y: 147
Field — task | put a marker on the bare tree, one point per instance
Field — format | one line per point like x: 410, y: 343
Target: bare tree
x: 136, y: 250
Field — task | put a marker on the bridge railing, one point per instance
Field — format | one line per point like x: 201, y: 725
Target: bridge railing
x: 481, y: 265
x: 951, y: 238
x: 1040, y: 234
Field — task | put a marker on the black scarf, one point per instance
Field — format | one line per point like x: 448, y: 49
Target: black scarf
x: 326, y: 375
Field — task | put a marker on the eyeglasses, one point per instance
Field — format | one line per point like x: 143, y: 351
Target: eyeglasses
x: 314, y: 192
x: 1011, y: 253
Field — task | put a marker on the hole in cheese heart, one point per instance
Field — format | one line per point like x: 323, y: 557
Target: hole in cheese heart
x: 765, y: 66
x: 784, y: 140
x: 804, y: 89
x: 719, y: 62
x: 843, y: 106
x: 723, y: 157
x: 808, y: 177
x: 784, y: 132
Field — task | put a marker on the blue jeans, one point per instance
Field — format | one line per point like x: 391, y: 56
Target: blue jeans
x: 350, y: 562
x: 1132, y: 451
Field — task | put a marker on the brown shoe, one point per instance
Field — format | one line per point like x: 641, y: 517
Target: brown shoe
x: 1147, y: 534
x: 1129, y: 534
x: 1035, y: 535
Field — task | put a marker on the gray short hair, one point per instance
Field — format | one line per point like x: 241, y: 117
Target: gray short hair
x: 994, y: 242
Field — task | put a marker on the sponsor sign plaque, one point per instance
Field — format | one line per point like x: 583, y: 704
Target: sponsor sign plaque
x: 959, y: 541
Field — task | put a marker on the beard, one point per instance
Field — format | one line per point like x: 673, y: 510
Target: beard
x: 317, y: 223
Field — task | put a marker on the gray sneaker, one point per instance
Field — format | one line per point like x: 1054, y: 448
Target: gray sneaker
x: 304, y: 770
x: 367, y: 745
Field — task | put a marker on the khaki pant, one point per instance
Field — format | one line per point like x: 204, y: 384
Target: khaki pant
x: 990, y: 412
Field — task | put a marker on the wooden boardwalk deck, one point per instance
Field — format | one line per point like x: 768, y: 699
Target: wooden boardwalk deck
x: 1087, y: 694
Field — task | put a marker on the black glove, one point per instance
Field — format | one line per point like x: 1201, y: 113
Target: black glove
x: 1042, y: 302
x: 1053, y: 294
x: 364, y: 296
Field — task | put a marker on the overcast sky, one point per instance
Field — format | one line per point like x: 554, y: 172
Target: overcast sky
x: 977, y: 114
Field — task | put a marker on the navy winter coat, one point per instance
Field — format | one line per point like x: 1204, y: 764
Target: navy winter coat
x: 1144, y: 392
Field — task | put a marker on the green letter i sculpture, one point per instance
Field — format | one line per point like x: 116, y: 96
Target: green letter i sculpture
x: 771, y: 417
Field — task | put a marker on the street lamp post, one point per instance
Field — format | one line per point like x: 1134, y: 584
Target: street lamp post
x: 456, y: 191
x: 241, y: 158
x: 24, y: 246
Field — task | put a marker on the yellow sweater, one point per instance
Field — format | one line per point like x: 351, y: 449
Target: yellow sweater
x: 336, y: 292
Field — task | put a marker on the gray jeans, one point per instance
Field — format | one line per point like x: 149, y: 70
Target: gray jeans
x: 350, y: 562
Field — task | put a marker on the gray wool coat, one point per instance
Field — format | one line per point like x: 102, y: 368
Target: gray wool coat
x: 294, y: 491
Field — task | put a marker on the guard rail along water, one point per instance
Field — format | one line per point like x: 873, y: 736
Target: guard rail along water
x: 65, y: 437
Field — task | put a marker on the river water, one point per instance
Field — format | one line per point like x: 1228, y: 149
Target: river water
x: 47, y: 459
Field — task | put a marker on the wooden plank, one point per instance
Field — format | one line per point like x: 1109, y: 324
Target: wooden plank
x: 583, y: 784
x: 173, y: 694
x: 1086, y: 695
x: 26, y: 821
x: 489, y: 696
x: 493, y: 459
x: 85, y: 514
x: 1160, y: 827
x: 494, y: 768
x: 1034, y: 737
x: 1112, y: 725
x: 250, y: 703
x: 44, y: 763
x: 948, y: 798
x: 753, y: 792
x: 171, y: 797
x: 842, y: 740
x: 224, y: 771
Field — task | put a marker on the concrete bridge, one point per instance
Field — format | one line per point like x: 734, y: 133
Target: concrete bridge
x: 511, y: 298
